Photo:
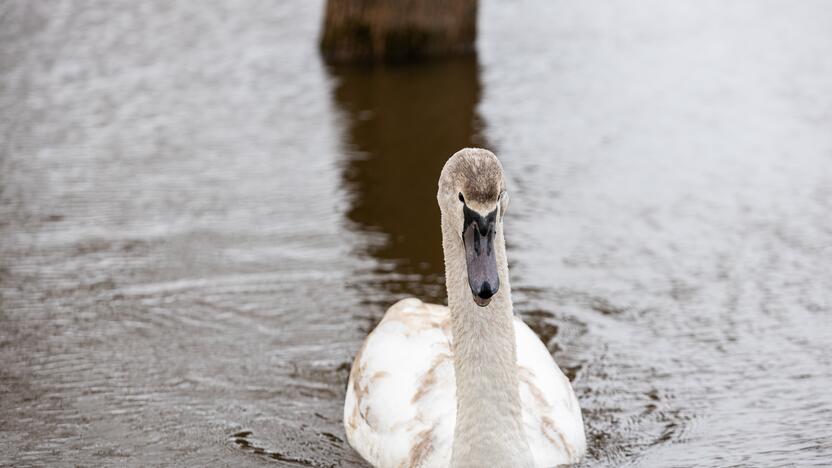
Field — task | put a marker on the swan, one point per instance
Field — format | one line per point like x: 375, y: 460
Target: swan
x: 468, y: 385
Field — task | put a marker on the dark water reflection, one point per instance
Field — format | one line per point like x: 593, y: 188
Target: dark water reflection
x: 402, y: 122
x: 199, y: 222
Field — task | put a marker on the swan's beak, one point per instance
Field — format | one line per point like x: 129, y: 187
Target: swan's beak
x: 481, y: 258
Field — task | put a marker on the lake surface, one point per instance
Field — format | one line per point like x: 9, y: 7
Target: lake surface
x: 200, y: 222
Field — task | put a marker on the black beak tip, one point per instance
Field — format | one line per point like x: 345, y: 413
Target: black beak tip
x: 485, y: 291
x: 484, y: 295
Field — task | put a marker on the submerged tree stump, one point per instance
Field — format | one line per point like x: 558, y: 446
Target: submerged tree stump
x: 397, y: 30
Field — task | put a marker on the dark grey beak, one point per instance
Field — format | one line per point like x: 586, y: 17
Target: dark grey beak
x: 480, y: 257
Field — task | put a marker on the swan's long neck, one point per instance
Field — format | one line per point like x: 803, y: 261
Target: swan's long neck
x: 489, y: 430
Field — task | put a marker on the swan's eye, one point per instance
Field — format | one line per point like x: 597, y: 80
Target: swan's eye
x: 461, y: 198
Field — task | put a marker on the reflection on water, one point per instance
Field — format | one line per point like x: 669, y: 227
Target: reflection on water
x: 402, y: 123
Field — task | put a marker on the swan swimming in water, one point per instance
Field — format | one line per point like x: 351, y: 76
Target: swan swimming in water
x: 468, y: 385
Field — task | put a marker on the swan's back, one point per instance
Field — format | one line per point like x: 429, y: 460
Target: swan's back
x: 551, y: 413
x: 400, y: 407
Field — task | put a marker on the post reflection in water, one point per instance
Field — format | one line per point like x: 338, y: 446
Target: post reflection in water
x: 402, y: 124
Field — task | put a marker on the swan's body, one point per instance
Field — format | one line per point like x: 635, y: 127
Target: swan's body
x: 401, y: 401
x: 469, y: 385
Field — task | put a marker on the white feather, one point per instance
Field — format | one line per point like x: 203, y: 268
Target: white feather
x: 400, y: 408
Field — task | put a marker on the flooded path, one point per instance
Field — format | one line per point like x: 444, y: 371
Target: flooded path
x: 199, y: 223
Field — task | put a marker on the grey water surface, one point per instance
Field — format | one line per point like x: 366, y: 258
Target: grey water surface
x: 200, y: 221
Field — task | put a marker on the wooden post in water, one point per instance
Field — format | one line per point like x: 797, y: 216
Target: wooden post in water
x: 397, y: 30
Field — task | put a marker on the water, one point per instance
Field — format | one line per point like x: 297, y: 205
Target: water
x: 199, y: 223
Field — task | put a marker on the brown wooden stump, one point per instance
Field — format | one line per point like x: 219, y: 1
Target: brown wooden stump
x: 397, y: 30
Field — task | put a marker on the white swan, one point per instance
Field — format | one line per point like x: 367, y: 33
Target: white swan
x: 468, y: 385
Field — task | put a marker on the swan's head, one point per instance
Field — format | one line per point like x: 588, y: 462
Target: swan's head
x: 472, y: 197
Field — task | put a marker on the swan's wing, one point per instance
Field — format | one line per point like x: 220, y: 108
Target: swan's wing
x: 400, y: 406
x: 551, y: 414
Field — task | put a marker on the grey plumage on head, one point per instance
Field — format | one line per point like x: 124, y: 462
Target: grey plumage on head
x: 477, y: 172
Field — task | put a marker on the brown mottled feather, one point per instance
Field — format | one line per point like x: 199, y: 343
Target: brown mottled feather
x: 422, y: 449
